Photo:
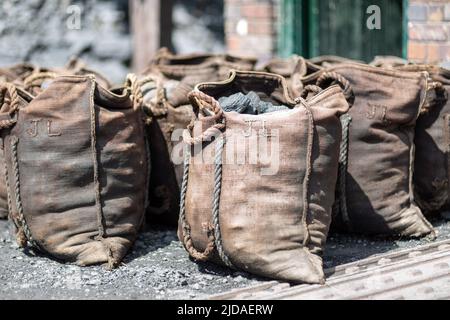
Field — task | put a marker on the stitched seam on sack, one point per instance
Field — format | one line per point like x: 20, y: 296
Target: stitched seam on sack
x: 310, y: 143
x: 22, y: 221
x: 425, y: 76
x: 98, y: 205
x: 343, y: 165
x: 250, y: 74
x: 410, y: 183
x: 8, y: 191
x: 447, y: 149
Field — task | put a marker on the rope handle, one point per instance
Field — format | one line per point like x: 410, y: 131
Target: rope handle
x: 160, y: 107
x: 438, y: 87
x: 134, y: 89
x: 30, y: 81
x: 185, y: 227
x: 441, y: 95
x: 214, y: 238
x: 329, y: 77
x: 204, y: 101
x: 310, y: 89
x: 10, y: 98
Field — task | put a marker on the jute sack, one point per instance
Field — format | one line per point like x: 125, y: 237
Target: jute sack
x: 377, y: 156
x: 34, y: 80
x: 4, y: 105
x: 39, y: 79
x: 330, y: 60
x: 17, y: 73
x: 388, y: 62
x: 291, y: 69
x: 165, y: 85
x: 271, y: 223
x: 432, y: 141
x: 77, y: 170
x: 12, y: 74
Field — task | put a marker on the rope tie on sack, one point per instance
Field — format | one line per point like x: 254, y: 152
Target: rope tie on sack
x: 206, y: 136
x: 329, y: 77
x: 34, y: 80
x: 212, y: 131
x: 12, y: 99
x: 132, y: 85
x: 346, y: 119
x: 216, y: 201
x: 205, y: 101
x: 185, y: 227
x: 308, y: 172
x: 23, y: 232
x: 214, y: 235
x: 311, y: 88
x: 159, y: 109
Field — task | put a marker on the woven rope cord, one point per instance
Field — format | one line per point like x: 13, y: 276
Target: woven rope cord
x: 204, y: 99
x: 23, y: 232
x: 135, y: 90
x: 310, y: 89
x: 31, y: 80
x: 310, y: 143
x: 185, y: 227
x: 8, y: 192
x: 12, y: 98
x: 328, y: 77
x: 343, y: 165
x: 220, y: 143
x: 160, y: 108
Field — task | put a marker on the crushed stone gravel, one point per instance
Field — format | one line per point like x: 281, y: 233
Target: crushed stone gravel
x: 157, y: 268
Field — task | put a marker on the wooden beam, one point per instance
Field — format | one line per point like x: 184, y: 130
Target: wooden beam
x: 145, y: 19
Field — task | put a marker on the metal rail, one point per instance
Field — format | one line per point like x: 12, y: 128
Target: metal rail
x: 422, y: 272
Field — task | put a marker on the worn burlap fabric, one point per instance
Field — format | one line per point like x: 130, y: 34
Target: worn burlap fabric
x: 388, y: 62
x: 17, y: 73
x: 35, y: 79
x: 165, y: 85
x: 77, y: 169
x: 377, y: 156
x: 12, y: 74
x: 432, y: 141
x: 233, y: 212
x: 38, y: 80
x: 330, y: 60
x: 289, y: 69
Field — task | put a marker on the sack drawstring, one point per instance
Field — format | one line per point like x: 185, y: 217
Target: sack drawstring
x: 214, y: 234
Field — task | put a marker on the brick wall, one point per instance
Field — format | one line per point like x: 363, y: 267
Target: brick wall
x: 250, y: 27
x: 429, y: 30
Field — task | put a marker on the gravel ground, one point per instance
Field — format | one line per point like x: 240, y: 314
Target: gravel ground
x: 157, y: 268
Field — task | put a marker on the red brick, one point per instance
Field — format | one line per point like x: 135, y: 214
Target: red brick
x: 261, y: 11
x: 234, y: 43
x: 257, y: 27
x: 417, y: 51
x: 417, y: 12
x: 427, y: 32
x: 433, y: 53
